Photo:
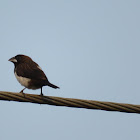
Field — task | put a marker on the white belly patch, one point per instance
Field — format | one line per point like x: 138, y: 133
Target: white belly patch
x: 23, y: 81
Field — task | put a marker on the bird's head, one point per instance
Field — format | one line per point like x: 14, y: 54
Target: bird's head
x: 19, y: 59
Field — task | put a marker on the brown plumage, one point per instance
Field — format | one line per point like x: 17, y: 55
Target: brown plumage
x: 29, y: 74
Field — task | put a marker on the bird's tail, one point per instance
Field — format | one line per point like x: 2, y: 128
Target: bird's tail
x: 51, y: 85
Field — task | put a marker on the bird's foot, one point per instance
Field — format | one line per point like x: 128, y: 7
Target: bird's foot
x: 41, y: 94
x: 22, y: 90
x: 22, y: 93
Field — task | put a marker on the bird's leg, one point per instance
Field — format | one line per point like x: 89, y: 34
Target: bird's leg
x: 41, y: 92
x: 22, y: 90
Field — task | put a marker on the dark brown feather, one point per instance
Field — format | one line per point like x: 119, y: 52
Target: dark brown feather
x: 27, y: 68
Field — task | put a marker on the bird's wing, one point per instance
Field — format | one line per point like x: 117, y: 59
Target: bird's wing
x: 32, y: 71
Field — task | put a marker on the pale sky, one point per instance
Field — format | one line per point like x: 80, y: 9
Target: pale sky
x: 90, y: 49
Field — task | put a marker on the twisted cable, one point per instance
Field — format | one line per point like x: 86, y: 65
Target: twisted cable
x: 69, y: 102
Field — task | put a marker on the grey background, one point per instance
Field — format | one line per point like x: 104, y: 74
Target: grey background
x: 90, y: 49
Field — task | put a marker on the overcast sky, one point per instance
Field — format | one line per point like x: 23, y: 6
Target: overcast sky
x: 90, y: 49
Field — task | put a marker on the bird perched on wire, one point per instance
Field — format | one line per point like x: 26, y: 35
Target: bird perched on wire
x: 29, y: 74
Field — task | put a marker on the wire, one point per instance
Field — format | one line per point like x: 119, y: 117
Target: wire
x: 69, y: 102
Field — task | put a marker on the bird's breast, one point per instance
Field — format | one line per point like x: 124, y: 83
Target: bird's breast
x: 23, y: 81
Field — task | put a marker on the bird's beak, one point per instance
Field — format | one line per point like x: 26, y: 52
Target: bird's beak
x: 13, y: 59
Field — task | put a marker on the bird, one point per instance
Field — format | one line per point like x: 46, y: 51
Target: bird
x: 29, y: 74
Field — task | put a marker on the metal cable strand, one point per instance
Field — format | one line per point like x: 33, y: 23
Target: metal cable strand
x: 69, y: 102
